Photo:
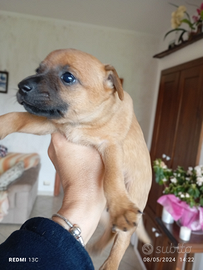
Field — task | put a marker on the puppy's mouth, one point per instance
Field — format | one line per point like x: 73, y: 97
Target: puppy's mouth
x: 42, y: 104
x: 49, y: 113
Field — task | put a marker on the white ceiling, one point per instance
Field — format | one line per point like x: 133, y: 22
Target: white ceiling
x: 148, y: 16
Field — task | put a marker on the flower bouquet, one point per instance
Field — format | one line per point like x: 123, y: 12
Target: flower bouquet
x: 183, y: 193
x: 181, y: 16
x: 198, y: 19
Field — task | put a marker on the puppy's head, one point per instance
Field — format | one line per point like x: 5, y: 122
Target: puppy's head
x: 69, y: 84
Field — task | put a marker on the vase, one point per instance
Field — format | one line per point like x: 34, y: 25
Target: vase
x: 191, y: 35
x: 184, y: 233
x: 199, y: 28
x: 166, y: 216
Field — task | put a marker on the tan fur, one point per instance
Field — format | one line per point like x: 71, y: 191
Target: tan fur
x: 100, y: 114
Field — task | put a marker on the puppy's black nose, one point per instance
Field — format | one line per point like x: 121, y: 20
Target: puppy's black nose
x: 24, y: 86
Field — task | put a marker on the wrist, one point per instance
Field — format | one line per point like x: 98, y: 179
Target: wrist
x: 82, y: 214
x: 73, y: 229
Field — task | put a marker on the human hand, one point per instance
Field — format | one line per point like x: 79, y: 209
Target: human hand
x: 80, y: 169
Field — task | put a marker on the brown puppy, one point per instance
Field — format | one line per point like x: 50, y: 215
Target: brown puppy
x: 75, y: 94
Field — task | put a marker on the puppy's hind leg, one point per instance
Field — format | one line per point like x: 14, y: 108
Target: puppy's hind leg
x: 97, y: 247
x: 120, y: 245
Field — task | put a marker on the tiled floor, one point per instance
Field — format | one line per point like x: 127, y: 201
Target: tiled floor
x: 46, y: 206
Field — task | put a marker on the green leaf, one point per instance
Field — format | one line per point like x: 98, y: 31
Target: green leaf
x: 192, y: 203
x: 201, y: 201
x: 187, y: 15
x: 188, y: 22
x: 191, y: 192
x: 197, y: 193
x: 173, y: 30
x: 159, y: 175
x: 201, y: 14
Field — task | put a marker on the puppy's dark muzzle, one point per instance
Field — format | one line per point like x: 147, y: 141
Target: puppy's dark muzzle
x: 30, y: 92
x: 37, y: 97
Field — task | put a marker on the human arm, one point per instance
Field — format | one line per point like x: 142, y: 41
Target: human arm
x: 80, y: 169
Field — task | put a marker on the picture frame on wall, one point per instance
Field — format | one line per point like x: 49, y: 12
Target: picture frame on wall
x: 3, y: 82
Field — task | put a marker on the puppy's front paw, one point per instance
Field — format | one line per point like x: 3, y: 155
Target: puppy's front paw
x: 124, y: 215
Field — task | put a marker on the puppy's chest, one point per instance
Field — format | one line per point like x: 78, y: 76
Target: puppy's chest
x: 83, y: 136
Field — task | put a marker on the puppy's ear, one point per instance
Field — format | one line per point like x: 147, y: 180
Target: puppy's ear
x: 112, y: 77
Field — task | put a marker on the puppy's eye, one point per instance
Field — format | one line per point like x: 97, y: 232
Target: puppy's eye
x: 68, y: 78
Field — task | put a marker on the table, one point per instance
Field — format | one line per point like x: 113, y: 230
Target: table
x: 194, y: 245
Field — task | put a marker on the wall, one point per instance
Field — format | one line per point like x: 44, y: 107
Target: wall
x: 26, y: 40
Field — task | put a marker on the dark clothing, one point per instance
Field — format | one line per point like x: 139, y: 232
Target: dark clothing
x: 43, y: 244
